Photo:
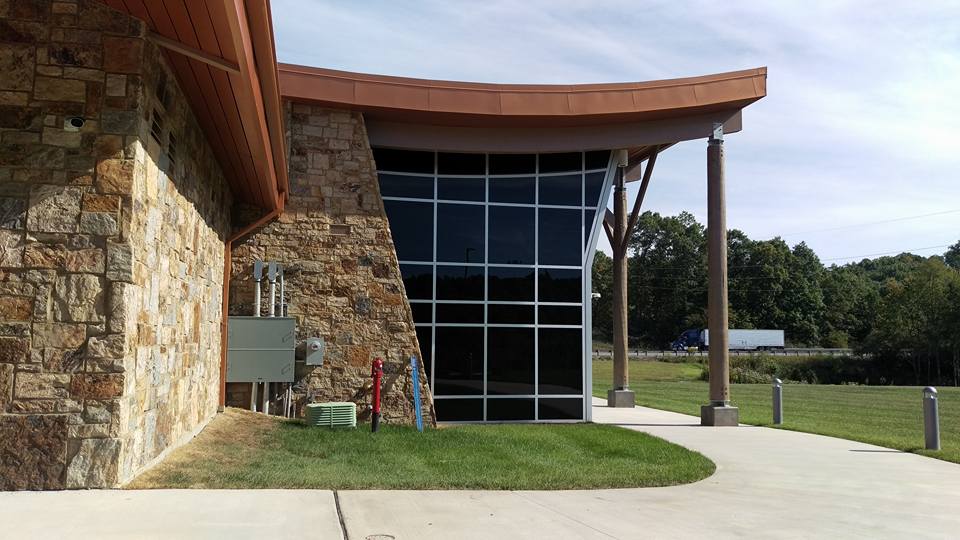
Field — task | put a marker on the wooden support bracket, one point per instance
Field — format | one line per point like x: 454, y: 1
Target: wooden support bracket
x: 196, y: 54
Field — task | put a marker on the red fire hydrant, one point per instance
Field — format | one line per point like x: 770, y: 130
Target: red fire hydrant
x: 376, y: 371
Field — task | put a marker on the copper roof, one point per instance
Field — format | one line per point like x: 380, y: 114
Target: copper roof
x: 222, y: 53
x: 227, y: 67
x: 514, y: 105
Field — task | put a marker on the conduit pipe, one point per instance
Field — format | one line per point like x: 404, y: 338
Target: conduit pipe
x: 225, y: 308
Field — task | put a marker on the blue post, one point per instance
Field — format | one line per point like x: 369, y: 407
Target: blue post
x: 416, y: 393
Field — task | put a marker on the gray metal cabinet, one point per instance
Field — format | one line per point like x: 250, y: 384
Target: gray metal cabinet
x: 260, y: 349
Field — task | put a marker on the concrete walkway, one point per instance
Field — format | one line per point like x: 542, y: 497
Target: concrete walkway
x: 769, y: 484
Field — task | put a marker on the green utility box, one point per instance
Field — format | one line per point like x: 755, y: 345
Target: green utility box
x: 260, y: 349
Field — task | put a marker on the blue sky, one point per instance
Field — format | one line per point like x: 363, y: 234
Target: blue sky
x: 861, y: 123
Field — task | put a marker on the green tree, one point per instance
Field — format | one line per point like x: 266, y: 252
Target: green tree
x: 603, y: 306
x: 667, y: 285
x: 850, y: 306
x: 916, y: 324
x: 801, y: 304
x: 952, y: 256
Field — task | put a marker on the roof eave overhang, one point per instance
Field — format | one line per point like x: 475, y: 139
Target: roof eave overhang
x: 234, y: 38
x: 468, y: 117
x: 463, y: 104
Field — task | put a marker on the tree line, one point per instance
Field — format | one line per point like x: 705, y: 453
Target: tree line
x: 903, y: 310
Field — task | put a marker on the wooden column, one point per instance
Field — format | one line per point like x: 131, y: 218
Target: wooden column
x: 618, y: 230
x: 718, y: 412
x: 620, y: 376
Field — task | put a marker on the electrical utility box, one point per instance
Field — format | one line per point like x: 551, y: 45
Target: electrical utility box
x: 260, y: 349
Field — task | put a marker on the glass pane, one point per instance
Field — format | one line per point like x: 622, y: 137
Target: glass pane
x: 561, y: 409
x: 388, y: 159
x: 510, y: 283
x: 587, y: 225
x: 513, y: 163
x: 460, y: 233
x: 569, y: 161
x: 461, y: 163
x: 511, y: 235
x: 422, y: 312
x: 509, y: 314
x: 425, y: 338
x: 415, y: 187
x: 460, y: 313
x: 560, y: 315
x: 411, y: 225
x: 598, y: 159
x: 510, y: 358
x: 501, y: 410
x: 461, y: 189
x: 560, y: 361
x: 593, y: 187
x: 459, y: 282
x: 458, y: 364
x: 565, y: 190
x: 459, y: 410
x: 560, y: 285
x: 560, y: 237
x: 513, y: 190
x: 418, y: 281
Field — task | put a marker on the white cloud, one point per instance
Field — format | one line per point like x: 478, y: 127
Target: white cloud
x: 861, y: 121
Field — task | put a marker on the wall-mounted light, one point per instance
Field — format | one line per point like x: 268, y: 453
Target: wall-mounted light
x: 73, y: 123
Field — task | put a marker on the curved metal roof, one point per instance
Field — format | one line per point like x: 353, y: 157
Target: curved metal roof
x: 520, y: 105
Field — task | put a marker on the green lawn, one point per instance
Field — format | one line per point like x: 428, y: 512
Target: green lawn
x: 245, y: 450
x: 644, y: 370
x: 889, y: 416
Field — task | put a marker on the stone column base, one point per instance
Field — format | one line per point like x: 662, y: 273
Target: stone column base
x: 719, y: 415
x: 620, y: 398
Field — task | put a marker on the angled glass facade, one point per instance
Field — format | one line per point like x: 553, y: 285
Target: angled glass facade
x: 494, y: 251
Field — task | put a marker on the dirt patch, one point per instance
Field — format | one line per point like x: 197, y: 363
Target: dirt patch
x: 232, y: 437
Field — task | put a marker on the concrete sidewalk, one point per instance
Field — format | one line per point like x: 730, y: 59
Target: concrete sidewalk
x: 169, y: 513
x: 769, y: 484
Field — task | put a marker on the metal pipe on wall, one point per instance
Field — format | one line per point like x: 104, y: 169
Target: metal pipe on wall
x: 283, y: 309
x: 266, y: 398
x: 257, y: 277
x: 225, y: 296
x: 272, y: 276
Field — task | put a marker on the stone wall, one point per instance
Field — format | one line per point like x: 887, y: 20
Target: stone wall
x: 173, y: 280
x: 90, y: 373
x: 343, y: 280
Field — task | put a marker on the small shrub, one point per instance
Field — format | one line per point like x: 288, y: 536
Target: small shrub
x: 762, y: 368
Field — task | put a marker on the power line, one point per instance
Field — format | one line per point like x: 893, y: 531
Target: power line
x: 881, y: 222
x: 885, y: 253
x: 898, y: 252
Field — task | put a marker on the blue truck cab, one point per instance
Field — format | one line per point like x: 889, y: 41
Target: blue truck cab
x: 690, y: 338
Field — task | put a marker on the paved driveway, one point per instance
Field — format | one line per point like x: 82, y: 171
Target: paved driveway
x: 769, y: 484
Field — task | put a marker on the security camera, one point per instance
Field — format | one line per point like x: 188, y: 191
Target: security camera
x: 73, y: 123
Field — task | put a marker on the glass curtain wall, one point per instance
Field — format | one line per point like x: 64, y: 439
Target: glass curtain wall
x: 493, y: 249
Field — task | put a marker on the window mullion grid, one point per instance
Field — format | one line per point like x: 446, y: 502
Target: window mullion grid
x: 584, y: 283
x: 536, y: 290
x: 433, y: 306
x: 537, y: 266
x: 486, y: 260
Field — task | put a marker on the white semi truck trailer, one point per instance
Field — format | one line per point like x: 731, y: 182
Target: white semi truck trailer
x: 740, y: 340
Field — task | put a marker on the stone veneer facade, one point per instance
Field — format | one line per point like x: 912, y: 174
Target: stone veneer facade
x: 343, y: 280
x: 110, y: 269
